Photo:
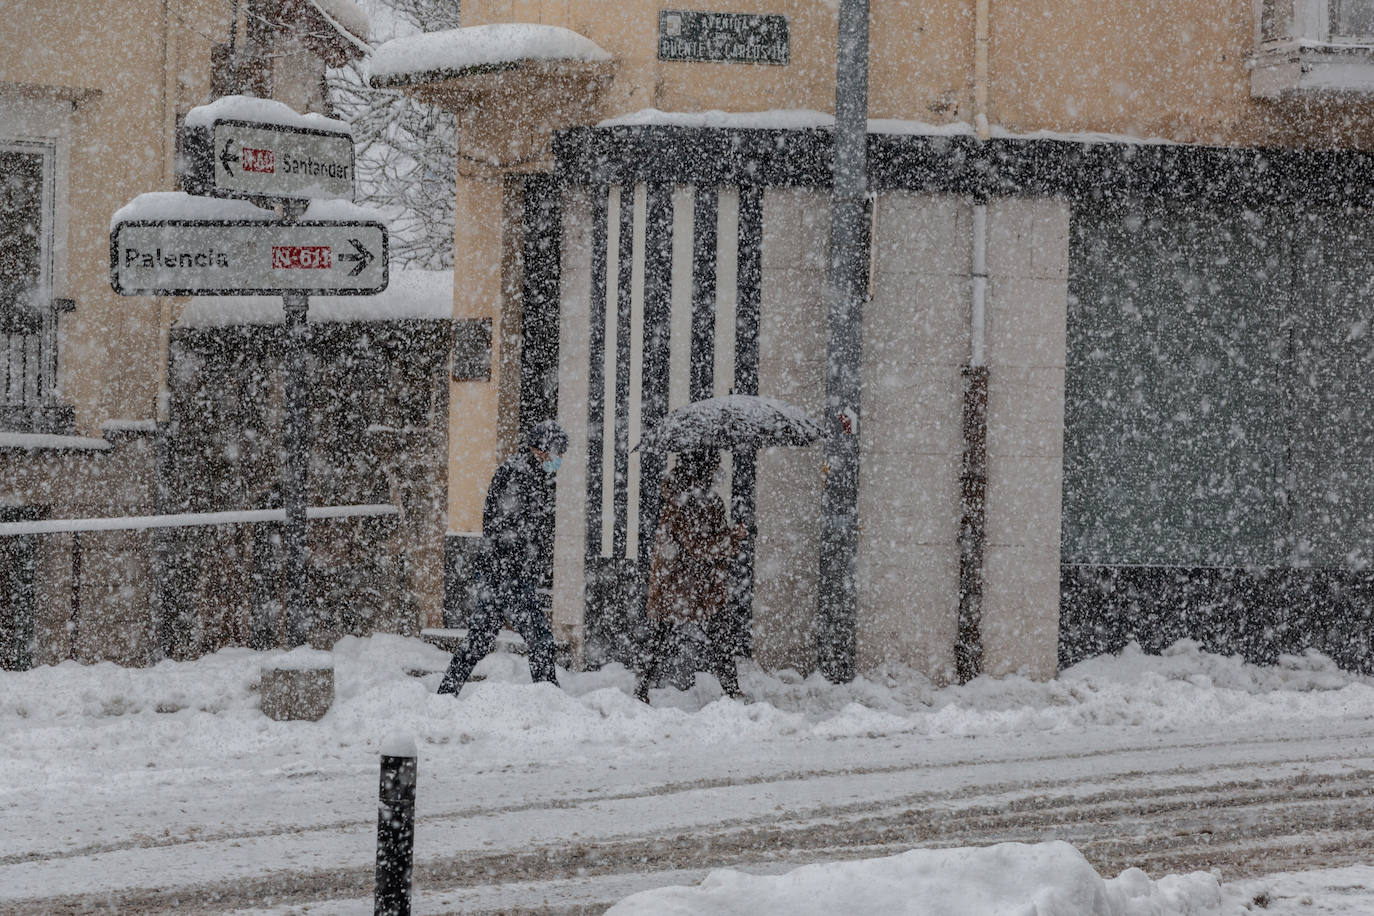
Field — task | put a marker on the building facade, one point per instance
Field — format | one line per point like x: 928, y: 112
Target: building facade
x: 1136, y: 225
x: 95, y: 542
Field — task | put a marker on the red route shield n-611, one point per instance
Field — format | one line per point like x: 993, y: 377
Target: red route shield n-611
x: 248, y: 257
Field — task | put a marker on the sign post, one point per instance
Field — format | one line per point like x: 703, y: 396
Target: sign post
x: 193, y: 245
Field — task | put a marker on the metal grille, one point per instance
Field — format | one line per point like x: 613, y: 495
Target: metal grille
x: 27, y: 369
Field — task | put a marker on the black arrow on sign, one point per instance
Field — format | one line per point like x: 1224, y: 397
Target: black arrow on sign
x: 225, y: 158
x: 363, y: 257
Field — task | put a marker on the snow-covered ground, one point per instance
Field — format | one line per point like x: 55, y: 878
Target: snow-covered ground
x: 143, y: 789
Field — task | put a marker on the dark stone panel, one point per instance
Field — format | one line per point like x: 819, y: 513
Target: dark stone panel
x: 965, y: 165
x: 1258, y: 614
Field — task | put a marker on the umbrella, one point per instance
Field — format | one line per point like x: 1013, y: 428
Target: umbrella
x: 736, y: 421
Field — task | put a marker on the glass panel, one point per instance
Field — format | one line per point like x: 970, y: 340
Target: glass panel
x: 21, y: 248
x: 1352, y: 18
x: 1173, y: 403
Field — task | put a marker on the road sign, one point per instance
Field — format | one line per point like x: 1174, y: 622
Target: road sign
x: 235, y: 158
x: 247, y: 257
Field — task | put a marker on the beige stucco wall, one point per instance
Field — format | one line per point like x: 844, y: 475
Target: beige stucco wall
x: 1175, y: 70
x: 123, y: 72
x: 106, y: 82
x: 121, y: 84
x: 574, y: 345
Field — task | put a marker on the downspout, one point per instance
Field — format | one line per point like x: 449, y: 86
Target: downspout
x: 980, y: 69
x: 968, y: 647
x: 156, y: 643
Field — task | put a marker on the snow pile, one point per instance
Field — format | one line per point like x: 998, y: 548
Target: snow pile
x: 391, y: 679
x: 51, y: 442
x: 411, y: 295
x: 302, y: 658
x: 476, y: 48
x: 260, y: 111
x: 178, y: 205
x: 346, y: 16
x: 810, y: 119
x: 775, y: 119
x: 1009, y: 879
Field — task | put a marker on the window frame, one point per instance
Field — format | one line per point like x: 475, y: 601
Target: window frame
x: 47, y: 151
x: 35, y: 121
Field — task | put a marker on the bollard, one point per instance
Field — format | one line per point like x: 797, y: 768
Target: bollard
x: 395, y: 827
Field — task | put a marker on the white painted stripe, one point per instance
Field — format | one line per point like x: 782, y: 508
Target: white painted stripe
x: 608, y: 375
x: 187, y: 520
x: 636, y: 398
x: 679, y: 360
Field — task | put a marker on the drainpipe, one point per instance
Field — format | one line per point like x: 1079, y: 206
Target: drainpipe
x: 156, y: 641
x: 980, y: 69
x: 968, y: 646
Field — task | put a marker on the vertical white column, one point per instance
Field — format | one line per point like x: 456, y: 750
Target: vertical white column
x: 791, y: 367
x: 636, y: 395
x: 608, y: 373
x: 727, y: 295
x: 916, y: 340
x: 680, y: 356
x: 1027, y: 308
x: 574, y: 333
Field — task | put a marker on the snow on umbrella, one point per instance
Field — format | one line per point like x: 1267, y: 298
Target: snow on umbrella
x: 732, y: 422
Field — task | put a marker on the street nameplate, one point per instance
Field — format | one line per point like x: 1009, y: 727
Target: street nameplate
x: 233, y: 158
x: 247, y: 257
x: 741, y: 38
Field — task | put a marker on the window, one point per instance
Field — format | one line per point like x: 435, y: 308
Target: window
x: 25, y: 233
x: 1351, y: 19
x: 35, y: 137
x: 28, y: 308
x: 1313, y: 47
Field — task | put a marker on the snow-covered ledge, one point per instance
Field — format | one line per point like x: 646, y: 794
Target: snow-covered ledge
x: 1302, y: 67
x: 511, y: 85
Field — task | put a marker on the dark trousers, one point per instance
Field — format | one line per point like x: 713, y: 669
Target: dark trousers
x: 513, y: 600
x: 664, y: 639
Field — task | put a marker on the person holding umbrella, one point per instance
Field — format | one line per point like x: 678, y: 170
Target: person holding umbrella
x: 517, y: 527
x: 689, y: 573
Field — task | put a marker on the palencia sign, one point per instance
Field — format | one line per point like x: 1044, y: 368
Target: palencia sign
x: 189, y: 257
x: 237, y: 158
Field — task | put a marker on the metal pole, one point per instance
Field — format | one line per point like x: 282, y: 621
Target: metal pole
x: 395, y: 829
x: 296, y: 467
x: 846, y: 289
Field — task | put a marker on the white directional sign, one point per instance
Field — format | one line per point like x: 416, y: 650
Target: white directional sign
x: 234, y: 158
x: 247, y: 257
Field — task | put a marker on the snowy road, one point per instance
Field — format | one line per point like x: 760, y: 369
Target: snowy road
x: 565, y: 837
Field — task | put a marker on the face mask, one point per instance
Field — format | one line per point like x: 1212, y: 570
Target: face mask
x: 552, y: 464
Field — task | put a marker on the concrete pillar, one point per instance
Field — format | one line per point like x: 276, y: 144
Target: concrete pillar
x: 1028, y: 266
x: 570, y: 528
x: 916, y: 338
x: 486, y: 283
x: 792, y: 339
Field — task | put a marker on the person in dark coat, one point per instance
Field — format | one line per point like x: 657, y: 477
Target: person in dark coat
x: 517, y: 530
x: 689, y: 575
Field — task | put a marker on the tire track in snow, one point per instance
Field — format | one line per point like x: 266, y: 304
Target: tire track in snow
x: 1243, y: 827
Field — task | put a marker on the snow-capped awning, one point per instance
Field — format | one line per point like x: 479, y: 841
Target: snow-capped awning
x: 260, y: 111
x: 437, y: 56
